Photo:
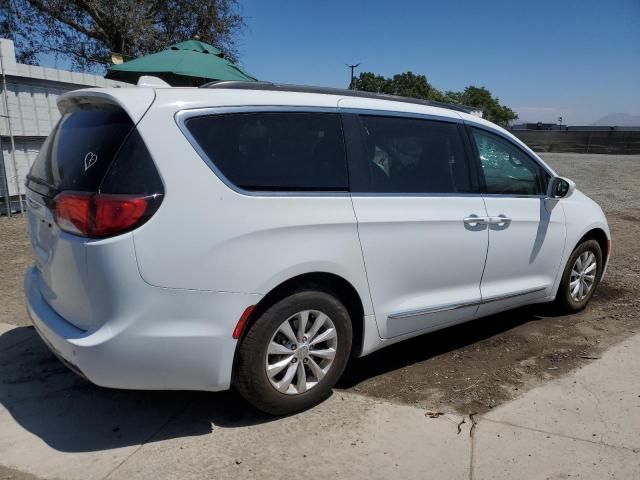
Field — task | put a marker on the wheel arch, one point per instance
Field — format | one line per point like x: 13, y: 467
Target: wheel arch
x: 596, y: 233
x: 600, y: 236
x: 323, y: 281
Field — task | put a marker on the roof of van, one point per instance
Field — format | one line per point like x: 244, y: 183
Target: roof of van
x: 279, y: 87
x: 136, y: 104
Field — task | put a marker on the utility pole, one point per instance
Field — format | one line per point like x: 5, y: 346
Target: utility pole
x: 352, y: 67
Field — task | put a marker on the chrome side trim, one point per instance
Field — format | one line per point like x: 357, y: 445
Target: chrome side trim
x: 497, y: 298
x: 440, y: 195
x: 439, y: 308
x: 183, y: 115
x: 456, y: 306
x: 377, y: 112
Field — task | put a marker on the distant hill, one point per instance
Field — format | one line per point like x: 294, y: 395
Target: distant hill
x: 618, y: 120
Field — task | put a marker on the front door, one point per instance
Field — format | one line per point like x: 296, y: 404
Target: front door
x: 526, y: 229
x: 424, y: 252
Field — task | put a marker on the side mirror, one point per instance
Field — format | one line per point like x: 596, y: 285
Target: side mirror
x: 560, y: 187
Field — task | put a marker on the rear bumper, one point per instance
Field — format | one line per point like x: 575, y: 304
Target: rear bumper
x: 168, y: 340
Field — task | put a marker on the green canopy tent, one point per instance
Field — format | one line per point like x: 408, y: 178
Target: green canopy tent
x: 185, y: 64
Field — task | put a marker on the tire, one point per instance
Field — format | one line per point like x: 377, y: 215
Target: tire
x: 267, y: 392
x: 566, y: 302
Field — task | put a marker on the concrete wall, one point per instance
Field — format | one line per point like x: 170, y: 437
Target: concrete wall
x: 32, y: 107
x: 27, y: 150
x: 28, y: 112
x: 611, y: 141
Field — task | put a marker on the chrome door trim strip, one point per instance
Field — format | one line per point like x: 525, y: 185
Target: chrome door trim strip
x: 497, y: 298
x: 182, y: 116
x: 439, y: 308
x: 456, y: 306
x: 375, y: 112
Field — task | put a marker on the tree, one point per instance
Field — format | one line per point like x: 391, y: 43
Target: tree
x: 482, y: 98
x: 370, y: 82
x: 87, y: 32
x: 408, y: 84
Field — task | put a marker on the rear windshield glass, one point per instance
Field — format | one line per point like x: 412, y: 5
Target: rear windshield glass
x: 80, y: 149
x: 275, y: 151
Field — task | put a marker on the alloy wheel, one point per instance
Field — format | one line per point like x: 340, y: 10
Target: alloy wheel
x: 583, y: 276
x: 301, y: 352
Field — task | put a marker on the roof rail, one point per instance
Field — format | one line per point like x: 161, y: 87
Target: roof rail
x: 279, y: 87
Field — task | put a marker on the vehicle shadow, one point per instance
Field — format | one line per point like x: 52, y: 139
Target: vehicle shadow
x: 72, y: 415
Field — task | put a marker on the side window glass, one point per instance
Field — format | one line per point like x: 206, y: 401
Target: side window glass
x: 275, y: 151
x: 405, y: 155
x: 507, y: 170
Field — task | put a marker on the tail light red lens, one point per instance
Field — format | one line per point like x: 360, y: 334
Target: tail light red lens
x: 72, y: 212
x: 98, y: 215
x: 116, y: 213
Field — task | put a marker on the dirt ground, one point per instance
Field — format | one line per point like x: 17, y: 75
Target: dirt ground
x: 476, y: 366
x: 479, y: 365
x: 15, y: 256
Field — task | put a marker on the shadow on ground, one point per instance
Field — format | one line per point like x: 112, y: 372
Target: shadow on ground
x: 70, y: 414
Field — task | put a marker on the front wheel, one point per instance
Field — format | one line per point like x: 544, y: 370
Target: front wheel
x: 294, y: 353
x: 580, y: 278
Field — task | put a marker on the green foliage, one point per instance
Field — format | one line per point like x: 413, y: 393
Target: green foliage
x: 406, y: 84
x: 370, y: 82
x: 481, y: 98
x: 87, y: 32
x: 411, y: 85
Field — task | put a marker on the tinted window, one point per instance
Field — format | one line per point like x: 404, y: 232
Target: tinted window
x: 133, y: 170
x: 80, y: 149
x: 275, y: 151
x: 506, y: 168
x: 404, y: 155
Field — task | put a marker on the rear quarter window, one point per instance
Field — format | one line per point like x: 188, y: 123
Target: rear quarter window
x: 275, y: 151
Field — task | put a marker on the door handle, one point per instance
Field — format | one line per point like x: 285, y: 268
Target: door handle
x: 474, y: 220
x: 501, y: 220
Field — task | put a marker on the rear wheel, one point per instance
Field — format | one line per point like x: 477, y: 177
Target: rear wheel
x: 294, y: 353
x: 580, y: 278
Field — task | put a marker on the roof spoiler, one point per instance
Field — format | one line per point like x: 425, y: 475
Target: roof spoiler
x: 133, y: 101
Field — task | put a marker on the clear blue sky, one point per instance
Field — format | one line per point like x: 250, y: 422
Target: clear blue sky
x: 575, y: 58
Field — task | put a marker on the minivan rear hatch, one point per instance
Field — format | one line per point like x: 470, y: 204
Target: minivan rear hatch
x: 94, y: 143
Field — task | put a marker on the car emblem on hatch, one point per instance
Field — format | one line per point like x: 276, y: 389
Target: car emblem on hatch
x: 89, y: 160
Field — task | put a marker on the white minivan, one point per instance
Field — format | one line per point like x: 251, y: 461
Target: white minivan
x: 258, y: 235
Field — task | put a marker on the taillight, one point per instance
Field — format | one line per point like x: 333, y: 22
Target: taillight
x: 117, y: 213
x: 72, y: 212
x: 99, y: 215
